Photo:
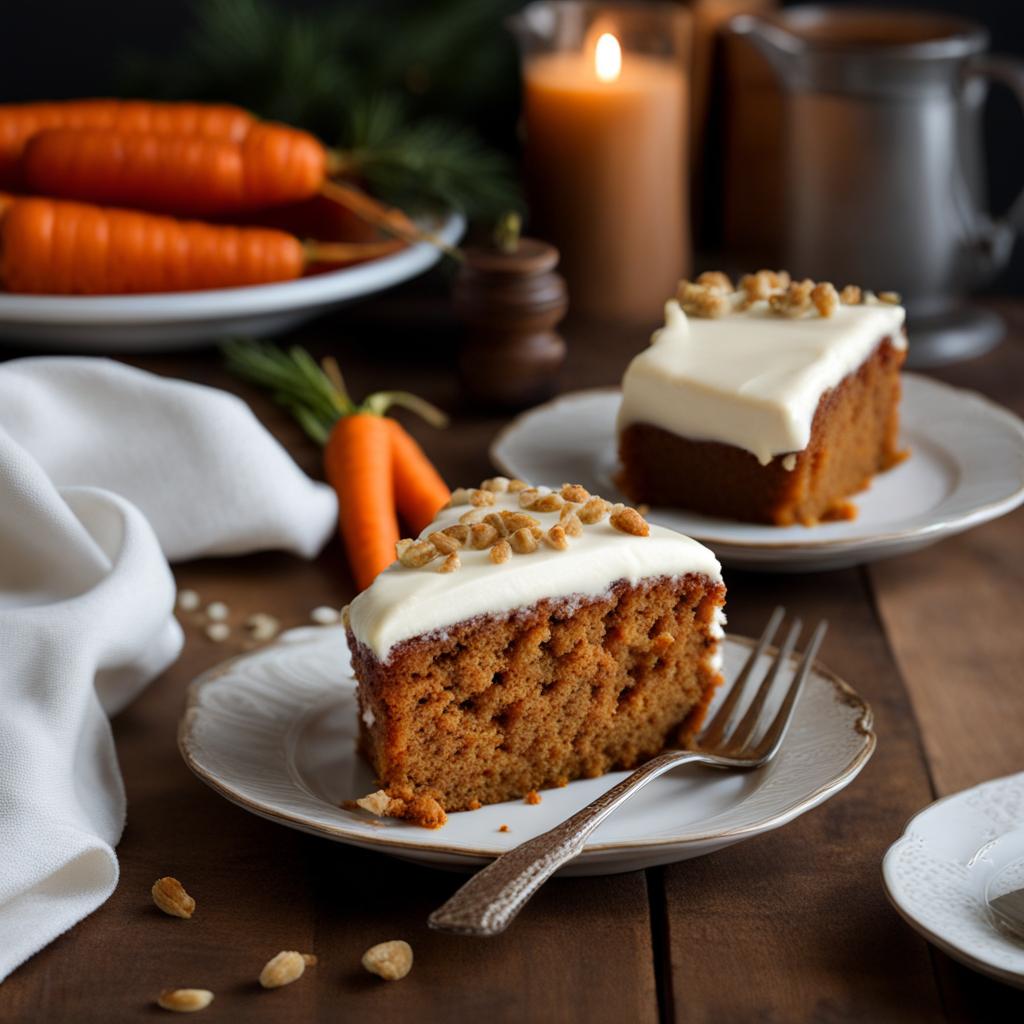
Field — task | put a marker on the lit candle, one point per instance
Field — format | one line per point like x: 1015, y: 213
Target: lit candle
x: 606, y: 163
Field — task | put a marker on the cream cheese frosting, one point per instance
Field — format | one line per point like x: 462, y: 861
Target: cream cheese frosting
x: 407, y: 602
x: 751, y: 378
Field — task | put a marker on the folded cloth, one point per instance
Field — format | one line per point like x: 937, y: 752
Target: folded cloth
x: 106, y: 472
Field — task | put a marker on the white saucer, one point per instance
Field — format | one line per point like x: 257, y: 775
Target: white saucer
x: 966, y: 467
x: 275, y: 732
x: 950, y: 857
x: 141, y: 323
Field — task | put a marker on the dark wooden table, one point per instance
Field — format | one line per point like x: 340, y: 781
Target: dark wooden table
x: 791, y: 926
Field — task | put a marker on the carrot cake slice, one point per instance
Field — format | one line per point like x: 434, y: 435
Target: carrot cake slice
x: 771, y: 403
x: 527, y: 638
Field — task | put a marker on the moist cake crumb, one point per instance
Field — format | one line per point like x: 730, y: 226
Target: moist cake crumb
x: 533, y: 798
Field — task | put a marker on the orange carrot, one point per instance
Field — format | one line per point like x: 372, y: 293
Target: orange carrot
x: 420, y: 492
x: 59, y: 248
x: 187, y: 175
x: 357, y: 463
x: 370, y: 461
x: 20, y: 121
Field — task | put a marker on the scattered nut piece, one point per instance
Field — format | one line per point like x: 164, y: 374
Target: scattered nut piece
x: 481, y: 498
x: 460, y: 496
x: 763, y: 284
x: 376, y: 803
x: 474, y: 515
x: 700, y: 300
x: 217, y: 611
x: 533, y: 798
x: 547, y: 503
x: 445, y: 545
x: 283, y: 969
x: 170, y: 896
x: 501, y: 552
x: 218, y: 632
x: 825, y: 298
x: 460, y: 532
x: 523, y: 541
x: 557, y: 537
x: 450, y: 564
x: 497, y: 520
x: 498, y: 484
x: 575, y: 492
x: 391, y: 961
x: 403, y: 545
x: 323, y: 615
x: 482, y: 535
x: 572, y: 525
x: 262, y: 626
x: 188, y: 600
x: 418, y: 554
x: 515, y: 486
x: 716, y: 281
x: 890, y: 298
x: 851, y: 295
x: 594, y: 511
x: 528, y: 496
x: 794, y: 301
x: 628, y: 520
x: 512, y: 521
x: 184, y: 1000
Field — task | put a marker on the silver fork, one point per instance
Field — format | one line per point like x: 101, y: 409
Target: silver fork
x: 490, y: 900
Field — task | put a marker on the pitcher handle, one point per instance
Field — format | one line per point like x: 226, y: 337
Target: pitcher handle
x: 1007, y: 71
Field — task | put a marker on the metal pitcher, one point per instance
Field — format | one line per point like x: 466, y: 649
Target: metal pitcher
x: 883, y: 162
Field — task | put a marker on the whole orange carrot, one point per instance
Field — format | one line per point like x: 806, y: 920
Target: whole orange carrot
x: 53, y: 247
x: 373, y: 465
x: 186, y: 175
x: 20, y: 121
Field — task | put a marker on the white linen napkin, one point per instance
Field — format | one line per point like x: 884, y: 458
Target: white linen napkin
x: 106, y: 472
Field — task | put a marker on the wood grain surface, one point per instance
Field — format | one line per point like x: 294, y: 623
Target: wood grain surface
x: 790, y: 926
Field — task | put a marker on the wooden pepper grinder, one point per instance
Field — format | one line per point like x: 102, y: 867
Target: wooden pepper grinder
x: 510, y: 300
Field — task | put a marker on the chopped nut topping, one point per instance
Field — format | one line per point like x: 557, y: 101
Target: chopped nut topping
x: 572, y: 525
x: 450, y: 564
x: 460, y: 496
x: 498, y: 484
x: 795, y: 301
x: 890, y: 298
x: 417, y: 554
x: 184, y: 1000
x: 480, y: 498
x: 715, y: 280
x: 825, y: 298
x: 497, y: 520
x: 403, y: 545
x: 528, y: 496
x: 575, y: 492
x: 170, y: 896
x: 391, y: 961
x: 445, y: 545
x: 594, y: 510
x: 547, y: 503
x: 482, y: 535
x: 523, y: 541
x: 557, y: 537
x: 628, y: 520
x: 376, y: 803
x: 850, y: 295
x: 459, y: 532
x: 501, y: 552
x: 763, y: 284
x: 700, y: 300
x: 283, y: 969
x: 517, y: 485
x: 474, y: 515
x: 513, y: 521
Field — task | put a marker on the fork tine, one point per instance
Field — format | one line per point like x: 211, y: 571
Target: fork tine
x: 712, y: 735
x: 776, y: 733
x: 741, y: 735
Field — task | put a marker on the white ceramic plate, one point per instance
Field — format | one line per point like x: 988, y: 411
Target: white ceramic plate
x: 966, y: 467
x: 140, y: 323
x: 275, y: 732
x: 951, y: 856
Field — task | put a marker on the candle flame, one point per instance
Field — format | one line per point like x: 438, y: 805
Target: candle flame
x: 608, y: 58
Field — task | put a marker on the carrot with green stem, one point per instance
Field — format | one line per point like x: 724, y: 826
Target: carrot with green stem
x: 376, y: 468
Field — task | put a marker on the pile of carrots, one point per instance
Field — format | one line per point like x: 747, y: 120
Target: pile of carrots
x: 96, y: 190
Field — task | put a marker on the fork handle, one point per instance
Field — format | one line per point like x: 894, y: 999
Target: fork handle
x: 490, y: 900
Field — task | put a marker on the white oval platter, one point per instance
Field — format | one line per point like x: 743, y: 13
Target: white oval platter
x: 275, y: 732
x: 140, y: 323
x: 951, y: 856
x: 966, y: 467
